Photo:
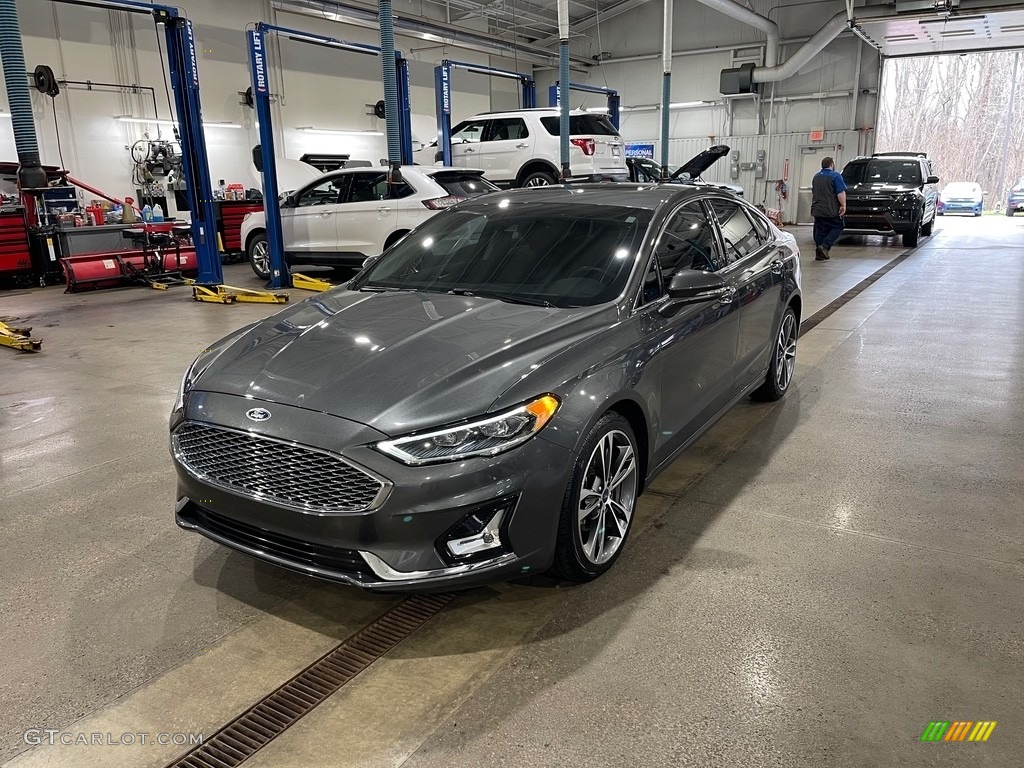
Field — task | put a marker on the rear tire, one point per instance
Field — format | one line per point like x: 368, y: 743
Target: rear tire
x: 600, y: 502
x: 783, y: 364
x: 538, y: 179
x: 258, y: 251
x: 1010, y: 211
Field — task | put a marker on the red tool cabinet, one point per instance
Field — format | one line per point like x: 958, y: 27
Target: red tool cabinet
x: 15, y: 251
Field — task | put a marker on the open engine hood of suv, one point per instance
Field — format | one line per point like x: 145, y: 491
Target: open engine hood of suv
x: 291, y: 174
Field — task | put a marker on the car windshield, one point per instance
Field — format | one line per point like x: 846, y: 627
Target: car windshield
x: 883, y: 171
x: 462, y: 184
x: 962, y: 189
x: 581, y: 125
x: 560, y: 255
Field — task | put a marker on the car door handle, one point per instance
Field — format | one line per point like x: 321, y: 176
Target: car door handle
x: 325, y: 214
x: 470, y: 149
x: 384, y: 209
x: 522, y: 146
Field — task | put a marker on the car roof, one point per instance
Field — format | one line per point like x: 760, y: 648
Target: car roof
x: 535, y: 110
x: 618, y: 195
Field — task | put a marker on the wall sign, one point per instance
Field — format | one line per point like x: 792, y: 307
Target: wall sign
x: 640, y: 150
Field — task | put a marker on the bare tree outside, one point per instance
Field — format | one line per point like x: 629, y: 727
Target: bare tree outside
x: 964, y: 111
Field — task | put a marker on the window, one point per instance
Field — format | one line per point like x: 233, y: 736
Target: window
x: 653, y: 287
x: 581, y: 125
x: 688, y: 242
x: 764, y: 229
x: 463, y: 184
x: 326, y: 193
x: 738, y: 233
x: 883, y: 171
x: 507, y: 129
x: 469, y: 132
x: 367, y: 187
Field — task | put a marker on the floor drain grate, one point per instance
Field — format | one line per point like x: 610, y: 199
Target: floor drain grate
x: 851, y: 294
x: 265, y: 721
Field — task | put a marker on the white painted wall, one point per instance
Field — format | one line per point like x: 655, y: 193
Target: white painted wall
x: 317, y: 87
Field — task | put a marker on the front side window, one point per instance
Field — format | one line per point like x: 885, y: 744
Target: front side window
x: 738, y: 233
x: 469, y: 132
x: 326, y: 193
x: 530, y: 253
x: 688, y: 242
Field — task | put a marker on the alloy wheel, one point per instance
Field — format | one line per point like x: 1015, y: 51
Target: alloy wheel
x: 607, y: 497
x: 538, y: 181
x: 785, y: 352
x: 261, y: 256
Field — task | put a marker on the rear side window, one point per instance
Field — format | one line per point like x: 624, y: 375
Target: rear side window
x: 464, y: 184
x: 738, y: 233
x: 507, y: 129
x: 581, y: 125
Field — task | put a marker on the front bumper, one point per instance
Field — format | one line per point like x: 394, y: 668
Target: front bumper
x: 397, y: 545
x: 1015, y: 205
x: 880, y: 221
x: 960, y: 207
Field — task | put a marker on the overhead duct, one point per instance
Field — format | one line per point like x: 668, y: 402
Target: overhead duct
x: 426, y: 29
x: 30, y: 175
x: 755, y: 20
x: 745, y: 79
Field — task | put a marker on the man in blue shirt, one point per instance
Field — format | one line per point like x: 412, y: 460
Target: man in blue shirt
x: 828, y: 206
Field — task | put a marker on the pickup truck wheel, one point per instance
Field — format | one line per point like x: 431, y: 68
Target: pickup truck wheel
x: 538, y: 179
x: 258, y: 251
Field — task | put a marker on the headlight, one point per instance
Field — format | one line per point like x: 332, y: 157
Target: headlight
x: 906, y: 200
x: 186, y: 385
x: 483, y: 437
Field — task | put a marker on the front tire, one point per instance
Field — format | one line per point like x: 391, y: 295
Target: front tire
x: 258, y: 251
x: 1010, y: 211
x: 600, y: 501
x: 783, y: 362
x: 911, y: 239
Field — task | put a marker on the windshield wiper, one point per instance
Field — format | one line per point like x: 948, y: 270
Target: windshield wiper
x: 381, y: 289
x: 506, y: 297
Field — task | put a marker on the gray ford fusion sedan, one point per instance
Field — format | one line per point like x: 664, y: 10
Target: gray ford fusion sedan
x: 491, y: 396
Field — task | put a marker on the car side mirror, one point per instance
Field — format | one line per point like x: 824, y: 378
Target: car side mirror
x: 933, y: 180
x: 691, y: 286
x: 370, y: 260
x: 288, y: 202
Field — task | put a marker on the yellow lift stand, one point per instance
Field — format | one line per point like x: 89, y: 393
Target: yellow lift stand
x: 19, y: 338
x: 307, y: 283
x: 229, y: 294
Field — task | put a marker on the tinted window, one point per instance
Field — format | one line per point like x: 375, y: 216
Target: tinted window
x: 688, y: 242
x: 581, y: 125
x: 368, y: 186
x: 567, y: 255
x: 325, y: 193
x: 883, y: 171
x: 462, y: 184
x: 738, y: 232
x: 508, y: 128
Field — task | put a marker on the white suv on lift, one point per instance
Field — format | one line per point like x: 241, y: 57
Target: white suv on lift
x: 521, y: 148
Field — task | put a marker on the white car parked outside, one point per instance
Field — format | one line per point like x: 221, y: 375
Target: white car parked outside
x: 339, y: 219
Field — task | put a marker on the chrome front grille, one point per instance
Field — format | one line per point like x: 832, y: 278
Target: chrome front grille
x: 275, y: 471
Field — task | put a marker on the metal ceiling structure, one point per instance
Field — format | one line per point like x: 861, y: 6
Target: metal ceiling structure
x: 930, y: 27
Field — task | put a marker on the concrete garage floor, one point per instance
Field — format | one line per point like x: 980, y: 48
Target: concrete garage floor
x: 810, y: 585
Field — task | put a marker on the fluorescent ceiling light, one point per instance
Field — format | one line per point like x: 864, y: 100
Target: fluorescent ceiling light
x: 599, y: 110
x: 171, y: 123
x: 686, y: 104
x: 337, y: 131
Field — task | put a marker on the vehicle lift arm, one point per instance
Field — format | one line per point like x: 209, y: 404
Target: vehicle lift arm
x: 279, y: 274
x: 614, y: 103
x: 183, y: 67
x: 443, y: 96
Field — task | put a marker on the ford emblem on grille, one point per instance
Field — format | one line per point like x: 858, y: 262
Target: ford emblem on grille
x: 258, y: 414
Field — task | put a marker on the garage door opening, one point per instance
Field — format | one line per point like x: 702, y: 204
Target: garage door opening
x: 966, y: 111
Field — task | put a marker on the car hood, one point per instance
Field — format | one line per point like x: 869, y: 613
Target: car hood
x: 395, y: 361
x: 699, y: 163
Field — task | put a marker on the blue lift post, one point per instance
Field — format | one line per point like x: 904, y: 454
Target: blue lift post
x: 183, y: 67
x: 443, y: 96
x: 614, y: 103
x: 280, y: 277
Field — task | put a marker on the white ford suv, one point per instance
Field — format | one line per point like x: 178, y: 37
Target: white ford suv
x: 340, y: 218
x: 521, y: 148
